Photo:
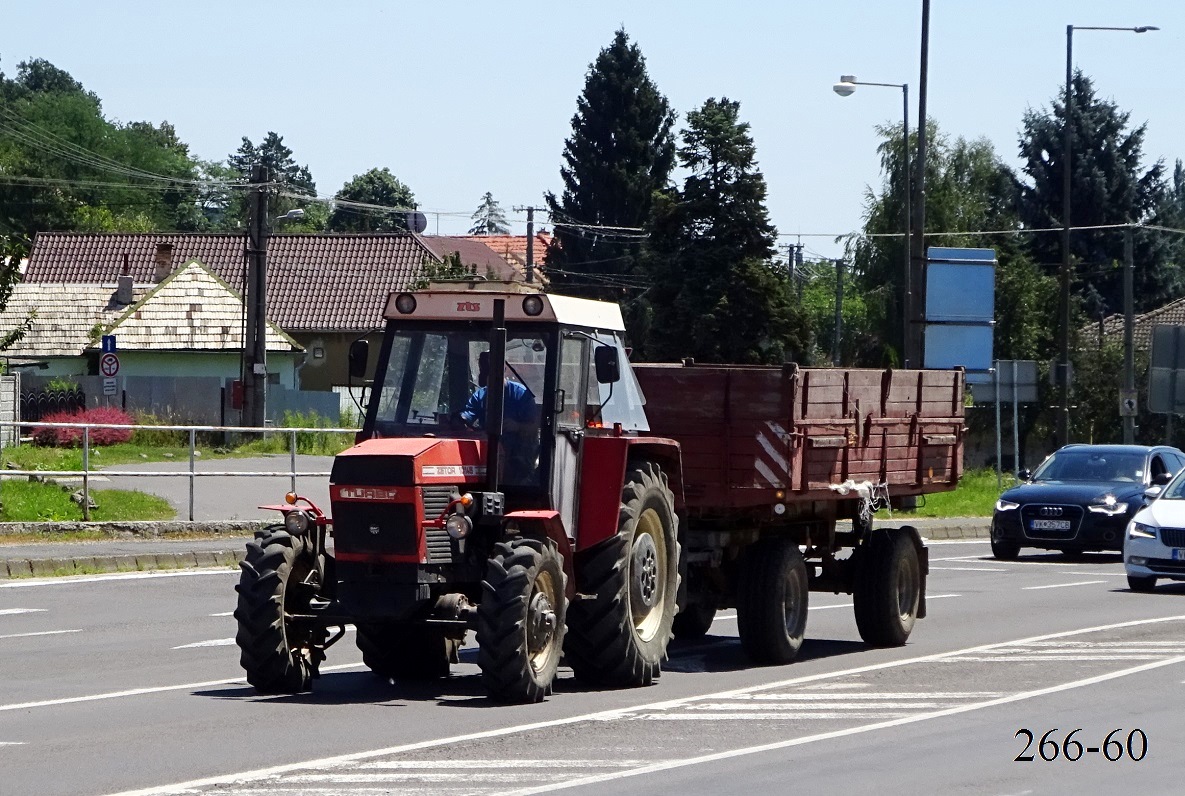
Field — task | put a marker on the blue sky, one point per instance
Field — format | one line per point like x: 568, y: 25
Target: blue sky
x: 460, y: 98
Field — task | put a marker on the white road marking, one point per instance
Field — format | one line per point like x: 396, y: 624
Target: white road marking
x: 1048, y: 659
x: 71, y: 580
x: 41, y: 633
x: 482, y: 765
x: 940, y: 542
x: 890, y: 714
x: 1064, y: 585
x: 12, y: 743
x: 224, y: 613
x: 770, y: 747
x: 731, y: 616
x: 967, y: 569
x: 881, y: 695
x: 610, y: 715
x: 11, y: 611
x: 48, y: 703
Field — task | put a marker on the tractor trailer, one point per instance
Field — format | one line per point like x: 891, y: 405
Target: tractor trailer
x: 518, y: 477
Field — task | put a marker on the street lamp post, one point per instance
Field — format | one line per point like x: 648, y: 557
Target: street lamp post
x: 845, y: 88
x: 1063, y: 374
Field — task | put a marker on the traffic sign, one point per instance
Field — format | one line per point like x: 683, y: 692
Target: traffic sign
x: 1127, y: 403
x: 109, y: 364
x: 109, y: 387
x: 109, y: 343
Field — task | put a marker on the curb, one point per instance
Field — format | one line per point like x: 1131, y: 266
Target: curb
x: 143, y: 529
x: 16, y: 568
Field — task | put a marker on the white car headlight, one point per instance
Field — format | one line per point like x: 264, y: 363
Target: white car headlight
x: 1138, y: 530
x: 1006, y: 505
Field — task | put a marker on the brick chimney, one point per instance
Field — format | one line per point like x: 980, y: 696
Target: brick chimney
x: 164, y: 262
x: 123, y: 289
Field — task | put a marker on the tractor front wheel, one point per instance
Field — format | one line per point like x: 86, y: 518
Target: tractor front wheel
x: 520, y: 620
x: 280, y: 647
x: 620, y: 636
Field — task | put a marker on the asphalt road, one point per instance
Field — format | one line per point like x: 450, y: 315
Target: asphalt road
x: 130, y: 683
x: 227, y: 497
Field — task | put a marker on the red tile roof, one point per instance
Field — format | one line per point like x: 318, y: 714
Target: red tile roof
x: 473, y: 251
x: 315, y: 282
x: 513, y: 248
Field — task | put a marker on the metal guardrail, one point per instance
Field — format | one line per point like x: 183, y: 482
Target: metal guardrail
x: 192, y: 473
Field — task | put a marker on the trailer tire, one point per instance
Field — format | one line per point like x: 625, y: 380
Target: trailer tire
x: 620, y: 636
x: 694, y: 621
x: 279, y: 576
x: 405, y: 652
x: 772, y: 597
x: 888, y: 589
x: 520, y: 620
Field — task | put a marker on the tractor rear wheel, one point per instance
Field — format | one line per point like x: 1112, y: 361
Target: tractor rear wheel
x: 620, y: 636
x: 279, y: 579
x: 888, y: 589
x: 405, y: 652
x: 520, y: 620
x: 772, y: 594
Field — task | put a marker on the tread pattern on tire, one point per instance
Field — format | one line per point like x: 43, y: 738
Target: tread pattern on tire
x: 761, y: 614
x: 603, y: 646
x: 502, y: 617
x: 874, y: 598
x: 265, y: 652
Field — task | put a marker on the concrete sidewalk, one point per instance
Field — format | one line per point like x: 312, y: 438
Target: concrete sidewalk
x: 150, y: 546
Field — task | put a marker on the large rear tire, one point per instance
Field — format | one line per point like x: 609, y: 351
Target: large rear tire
x: 620, y: 636
x: 694, y: 621
x: 520, y: 620
x: 405, y: 652
x: 772, y: 596
x: 279, y: 578
x: 888, y: 589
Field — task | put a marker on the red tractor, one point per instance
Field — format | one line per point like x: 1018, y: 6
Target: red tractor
x: 502, y: 482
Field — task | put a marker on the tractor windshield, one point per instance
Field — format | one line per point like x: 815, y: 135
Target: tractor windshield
x: 435, y: 384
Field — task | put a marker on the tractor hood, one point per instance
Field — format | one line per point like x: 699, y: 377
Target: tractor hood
x: 406, y: 461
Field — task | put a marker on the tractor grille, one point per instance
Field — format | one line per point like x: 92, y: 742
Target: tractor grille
x: 372, y: 471
x: 440, y: 545
x: 387, y: 528
x: 1173, y: 537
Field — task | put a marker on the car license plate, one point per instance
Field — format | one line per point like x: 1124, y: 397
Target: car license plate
x: 1178, y: 554
x: 1050, y: 525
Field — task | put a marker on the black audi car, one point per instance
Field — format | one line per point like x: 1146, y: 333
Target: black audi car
x: 1080, y: 498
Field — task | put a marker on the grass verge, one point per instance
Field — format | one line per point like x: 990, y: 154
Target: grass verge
x: 975, y: 496
x: 26, y: 501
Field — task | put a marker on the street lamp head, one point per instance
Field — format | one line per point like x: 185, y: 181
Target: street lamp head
x: 846, y: 85
x: 291, y: 215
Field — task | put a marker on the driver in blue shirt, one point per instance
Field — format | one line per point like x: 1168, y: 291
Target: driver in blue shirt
x: 520, y: 433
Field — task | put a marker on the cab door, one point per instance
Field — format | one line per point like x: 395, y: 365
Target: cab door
x: 571, y: 403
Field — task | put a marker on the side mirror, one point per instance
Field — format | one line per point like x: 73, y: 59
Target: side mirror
x: 1162, y: 479
x: 1152, y: 493
x: 607, y: 365
x: 1024, y: 474
x: 359, y: 353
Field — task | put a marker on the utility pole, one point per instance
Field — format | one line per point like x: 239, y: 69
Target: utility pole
x: 835, y: 351
x: 530, y: 239
x: 1129, y: 366
x: 916, y: 309
x: 255, y: 331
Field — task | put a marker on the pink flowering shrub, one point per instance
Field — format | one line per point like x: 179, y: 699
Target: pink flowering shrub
x: 72, y: 437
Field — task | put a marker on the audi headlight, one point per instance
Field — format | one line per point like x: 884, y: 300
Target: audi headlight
x: 1110, y: 506
x: 296, y: 522
x: 458, y: 526
x: 1006, y: 505
x: 1138, y: 530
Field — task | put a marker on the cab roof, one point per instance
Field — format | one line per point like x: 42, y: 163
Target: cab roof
x: 451, y: 303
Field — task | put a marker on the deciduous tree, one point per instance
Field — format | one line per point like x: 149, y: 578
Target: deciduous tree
x: 372, y: 202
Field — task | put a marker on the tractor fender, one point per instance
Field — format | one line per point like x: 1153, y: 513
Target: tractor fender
x: 547, y: 524
x: 603, y: 465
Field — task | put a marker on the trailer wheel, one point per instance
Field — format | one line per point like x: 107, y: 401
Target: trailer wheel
x: 520, y: 620
x: 405, y: 652
x: 694, y: 621
x: 280, y: 577
x: 772, y: 596
x: 888, y: 589
x: 620, y: 636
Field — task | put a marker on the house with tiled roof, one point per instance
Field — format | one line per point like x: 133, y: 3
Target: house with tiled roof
x: 189, y: 324
x: 513, y: 249
x: 1111, y: 328
x: 324, y: 291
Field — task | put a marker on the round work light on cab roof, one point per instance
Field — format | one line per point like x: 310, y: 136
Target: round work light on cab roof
x: 533, y: 305
x: 405, y: 303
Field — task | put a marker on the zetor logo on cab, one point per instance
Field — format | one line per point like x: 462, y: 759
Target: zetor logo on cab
x: 468, y: 306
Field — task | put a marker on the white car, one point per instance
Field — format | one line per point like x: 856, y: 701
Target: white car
x: 1154, y: 545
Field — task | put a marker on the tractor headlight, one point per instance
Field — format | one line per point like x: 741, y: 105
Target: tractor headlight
x: 458, y: 526
x: 296, y: 523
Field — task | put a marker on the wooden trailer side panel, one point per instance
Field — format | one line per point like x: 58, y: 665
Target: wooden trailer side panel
x: 746, y: 432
